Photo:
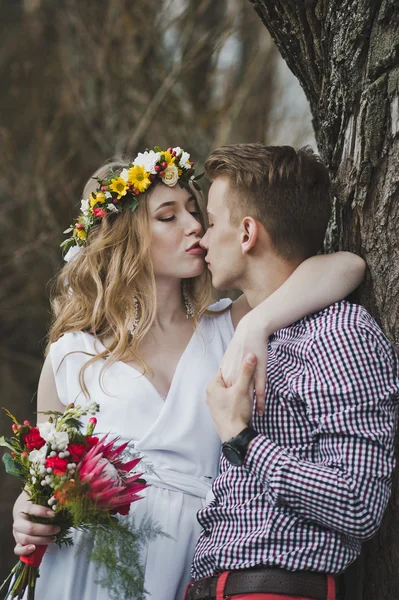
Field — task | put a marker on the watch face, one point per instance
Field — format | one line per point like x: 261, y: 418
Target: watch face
x: 232, y: 455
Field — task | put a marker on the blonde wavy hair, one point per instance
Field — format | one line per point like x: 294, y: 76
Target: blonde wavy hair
x: 95, y: 293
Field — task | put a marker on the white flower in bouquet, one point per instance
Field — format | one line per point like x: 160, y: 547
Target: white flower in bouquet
x: 37, y: 456
x: 56, y: 439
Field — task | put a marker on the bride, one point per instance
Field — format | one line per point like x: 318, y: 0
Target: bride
x: 133, y: 331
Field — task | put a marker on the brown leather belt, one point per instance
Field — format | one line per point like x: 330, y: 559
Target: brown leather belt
x: 263, y: 580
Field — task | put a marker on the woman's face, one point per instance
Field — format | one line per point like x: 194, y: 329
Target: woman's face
x: 176, y: 232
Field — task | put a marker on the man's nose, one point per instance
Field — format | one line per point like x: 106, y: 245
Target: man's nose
x: 204, y: 241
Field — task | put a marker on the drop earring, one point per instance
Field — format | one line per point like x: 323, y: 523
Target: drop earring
x: 134, y: 321
x: 190, y: 311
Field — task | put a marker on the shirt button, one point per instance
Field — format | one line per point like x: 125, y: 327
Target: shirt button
x: 207, y: 532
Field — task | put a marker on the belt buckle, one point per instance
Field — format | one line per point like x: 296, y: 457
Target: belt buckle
x: 200, y: 590
x: 206, y: 590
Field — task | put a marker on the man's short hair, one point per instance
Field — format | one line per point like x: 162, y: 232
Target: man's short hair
x: 287, y: 190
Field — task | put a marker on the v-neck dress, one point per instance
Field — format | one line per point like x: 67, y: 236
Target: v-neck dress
x: 179, y: 443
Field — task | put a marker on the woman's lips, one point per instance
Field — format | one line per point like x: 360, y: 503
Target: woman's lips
x: 196, y: 250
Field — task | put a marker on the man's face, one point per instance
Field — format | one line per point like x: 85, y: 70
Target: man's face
x: 222, y: 240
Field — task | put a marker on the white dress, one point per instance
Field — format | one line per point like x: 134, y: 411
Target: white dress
x: 178, y: 439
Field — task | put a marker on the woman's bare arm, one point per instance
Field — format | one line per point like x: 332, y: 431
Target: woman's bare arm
x: 27, y: 534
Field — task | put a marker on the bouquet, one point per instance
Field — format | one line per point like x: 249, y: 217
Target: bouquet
x: 86, y: 481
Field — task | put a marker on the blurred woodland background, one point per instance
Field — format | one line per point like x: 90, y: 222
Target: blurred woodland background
x: 82, y: 81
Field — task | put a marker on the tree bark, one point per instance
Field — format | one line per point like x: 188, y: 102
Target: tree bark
x: 346, y: 57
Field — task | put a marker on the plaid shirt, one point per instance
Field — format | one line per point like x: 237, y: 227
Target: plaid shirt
x: 317, y: 478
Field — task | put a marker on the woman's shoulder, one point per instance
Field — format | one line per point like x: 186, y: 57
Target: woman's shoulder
x: 70, y: 339
x: 68, y: 355
x: 75, y: 343
x: 219, y: 315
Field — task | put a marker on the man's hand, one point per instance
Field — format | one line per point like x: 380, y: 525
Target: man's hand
x: 249, y: 337
x: 231, y: 407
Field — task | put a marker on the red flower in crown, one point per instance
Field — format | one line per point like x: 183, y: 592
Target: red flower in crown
x: 99, y: 212
x: 33, y: 439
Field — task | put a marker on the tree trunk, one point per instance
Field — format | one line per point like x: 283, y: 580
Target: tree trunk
x: 346, y: 57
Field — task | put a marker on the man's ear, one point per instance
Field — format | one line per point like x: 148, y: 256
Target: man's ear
x: 249, y: 234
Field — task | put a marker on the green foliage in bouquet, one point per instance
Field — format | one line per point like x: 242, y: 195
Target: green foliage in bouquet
x: 86, y: 481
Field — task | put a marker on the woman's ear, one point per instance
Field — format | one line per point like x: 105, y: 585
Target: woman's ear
x: 249, y: 234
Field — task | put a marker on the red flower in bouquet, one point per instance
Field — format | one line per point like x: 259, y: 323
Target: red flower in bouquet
x: 77, y: 451
x: 106, y: 474
x: 57, y: 464
x: 33, y: 440
x: 91, y: 441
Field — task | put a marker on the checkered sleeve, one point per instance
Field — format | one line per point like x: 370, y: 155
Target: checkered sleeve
x: 350, y: 387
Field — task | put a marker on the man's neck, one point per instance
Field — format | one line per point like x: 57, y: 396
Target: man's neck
x: 264, y: 276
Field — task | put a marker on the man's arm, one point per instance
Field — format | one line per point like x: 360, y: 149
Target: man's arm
x: 315, y: 284
x: 350, y: 388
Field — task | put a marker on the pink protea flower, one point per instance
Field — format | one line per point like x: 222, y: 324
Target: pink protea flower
x: 111, y: 486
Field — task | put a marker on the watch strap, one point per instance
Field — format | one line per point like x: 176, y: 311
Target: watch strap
x: 240, y: 442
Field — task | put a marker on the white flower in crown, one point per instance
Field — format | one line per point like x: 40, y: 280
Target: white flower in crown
x: 171, y: 176
x: 108, y: 195
x: 125, y: 175
x: 85, y: 206
x: 72, y: 253
x: 112, y: 208
x: 184, y: 161
x: 86, y: 218
x: 148, y: 160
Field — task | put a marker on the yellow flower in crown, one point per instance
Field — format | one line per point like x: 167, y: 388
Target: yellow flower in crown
x: 81, y: 234
x: 169, y: 158
x: 119, y: 186
x: 139, y: 177
x: 97, y: 198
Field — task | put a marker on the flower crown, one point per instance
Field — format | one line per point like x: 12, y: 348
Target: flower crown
x: 115, y: 191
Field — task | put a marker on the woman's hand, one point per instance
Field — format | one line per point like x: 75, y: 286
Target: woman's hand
x: 28, y: 535
x: 249, y: 338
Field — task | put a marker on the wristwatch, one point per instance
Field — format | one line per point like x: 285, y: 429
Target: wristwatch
x: 235, y: 450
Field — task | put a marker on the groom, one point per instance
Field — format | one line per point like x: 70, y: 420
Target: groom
x: 303, y: 485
